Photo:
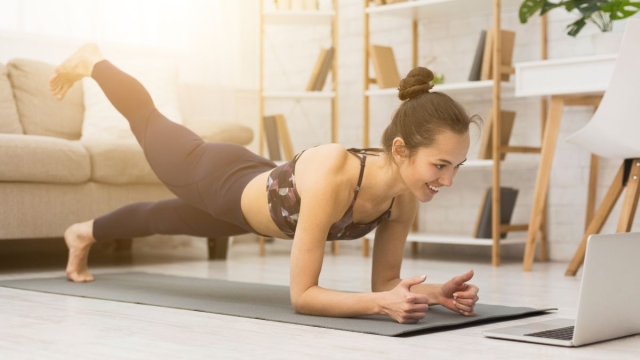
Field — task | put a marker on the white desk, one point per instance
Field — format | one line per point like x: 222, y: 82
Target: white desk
x: 571, y: 76
x: 572, y: 81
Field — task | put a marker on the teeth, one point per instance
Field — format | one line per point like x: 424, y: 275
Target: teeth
x: 433, y: 188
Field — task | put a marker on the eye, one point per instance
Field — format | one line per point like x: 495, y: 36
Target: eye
x: 440, y: 167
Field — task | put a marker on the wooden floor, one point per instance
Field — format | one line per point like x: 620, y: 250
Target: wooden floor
x: 46, y: 326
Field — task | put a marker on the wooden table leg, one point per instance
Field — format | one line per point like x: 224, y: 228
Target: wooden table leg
x: 592, y: 189
x: 365, y: 247
x: 610, y: 199
x: 542, y: 181
x: 630, y: 203
x: 261, y: 250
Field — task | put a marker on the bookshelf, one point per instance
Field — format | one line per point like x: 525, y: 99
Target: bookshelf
x: 493, y: 90
x: 326, y: 18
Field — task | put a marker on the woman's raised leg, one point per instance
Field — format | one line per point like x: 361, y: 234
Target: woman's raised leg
x: 179, y: 157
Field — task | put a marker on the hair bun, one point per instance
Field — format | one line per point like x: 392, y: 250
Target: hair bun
x: 417, y: 82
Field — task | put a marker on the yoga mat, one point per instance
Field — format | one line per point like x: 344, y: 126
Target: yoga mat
x: 256, y: 301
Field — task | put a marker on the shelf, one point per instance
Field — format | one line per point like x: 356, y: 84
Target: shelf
x: 423, y: 9
x: 459, y: 239
x: 299, y: 94
x: 298, y: 17
x: 470, y: 89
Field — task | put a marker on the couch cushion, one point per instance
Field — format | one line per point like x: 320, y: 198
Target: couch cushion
x: 40, y: 113
x: 32, y: 158
x: 9, y: 121
x: 118, y: 162
x: 230, y: 133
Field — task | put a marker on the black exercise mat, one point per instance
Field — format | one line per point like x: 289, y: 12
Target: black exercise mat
x: 256, y: 301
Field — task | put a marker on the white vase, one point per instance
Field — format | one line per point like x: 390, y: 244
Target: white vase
x: 606, y: 42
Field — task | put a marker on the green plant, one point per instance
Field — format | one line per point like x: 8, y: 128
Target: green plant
x: 602, y: 13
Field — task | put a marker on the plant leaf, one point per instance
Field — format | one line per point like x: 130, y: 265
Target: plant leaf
x: 588, y: 7
x: 621, y: 9
x: 529, y: 8
x: 576, y: 26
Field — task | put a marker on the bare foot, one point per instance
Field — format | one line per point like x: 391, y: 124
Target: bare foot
x: 79, y: 239
x: 74, y: 68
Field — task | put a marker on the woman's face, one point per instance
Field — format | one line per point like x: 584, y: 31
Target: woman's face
x: 431, y: 168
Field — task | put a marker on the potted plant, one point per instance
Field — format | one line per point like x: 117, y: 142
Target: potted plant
x: 602, y: 13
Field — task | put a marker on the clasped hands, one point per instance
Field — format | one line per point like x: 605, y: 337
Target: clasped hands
x: 406, y: 306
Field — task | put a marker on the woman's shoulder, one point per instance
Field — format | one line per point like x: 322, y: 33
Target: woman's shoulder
x: 328, y: 166
x: 326, y: 157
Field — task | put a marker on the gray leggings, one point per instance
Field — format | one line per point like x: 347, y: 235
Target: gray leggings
x: 207, y: 178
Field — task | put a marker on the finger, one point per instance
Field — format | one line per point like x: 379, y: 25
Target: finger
x: 467, y: 294
x: 415, y: 316
x: 419, y: 308
x: 465, y: 302
x: 461, y: 279
x: 463, y: 308
x: 418, y: 298
x: 409, y: 282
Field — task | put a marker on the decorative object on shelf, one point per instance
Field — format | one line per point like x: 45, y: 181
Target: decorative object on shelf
x: 483, y: 229
x: 486, y: 141
x: 437, y: 79
x: 602, y: 13
x: 384, y: 64
x: 476, y: 66
x: 277, y: 134
x: 508, y: 39
x: 321, y: 70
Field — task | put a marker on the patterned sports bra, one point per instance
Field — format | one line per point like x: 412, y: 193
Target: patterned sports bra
x: 284, y: 203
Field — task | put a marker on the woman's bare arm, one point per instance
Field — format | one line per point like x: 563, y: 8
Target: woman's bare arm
x: 324, y: 202
x: 456, y: 294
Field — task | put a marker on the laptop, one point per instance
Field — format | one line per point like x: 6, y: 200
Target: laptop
x: 608, y: 293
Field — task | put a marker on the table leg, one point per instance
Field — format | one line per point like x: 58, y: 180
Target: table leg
x: 610, y: 199
x: 542, y: 181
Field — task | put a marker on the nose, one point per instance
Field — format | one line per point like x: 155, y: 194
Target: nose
x: 447, y: 180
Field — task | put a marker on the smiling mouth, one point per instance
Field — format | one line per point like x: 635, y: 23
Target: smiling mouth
x: 434, y: 189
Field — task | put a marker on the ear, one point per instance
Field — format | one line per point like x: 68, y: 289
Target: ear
x: 399, y: 149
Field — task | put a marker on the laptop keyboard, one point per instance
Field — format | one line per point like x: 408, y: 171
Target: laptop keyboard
x: 565, y: 333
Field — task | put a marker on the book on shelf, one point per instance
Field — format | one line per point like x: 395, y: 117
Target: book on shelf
x: 321, y: 70
x: 507, y: 39
x: 384, y: 65
x: 272, y: 138
x: 486, y: 139
x: 277, y: 134
x: 483, y: 228
x: 476, y: 66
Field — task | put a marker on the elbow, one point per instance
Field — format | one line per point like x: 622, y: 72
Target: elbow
x: 300, y: 303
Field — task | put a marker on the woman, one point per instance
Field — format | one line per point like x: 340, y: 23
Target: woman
x: 220, y: 191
